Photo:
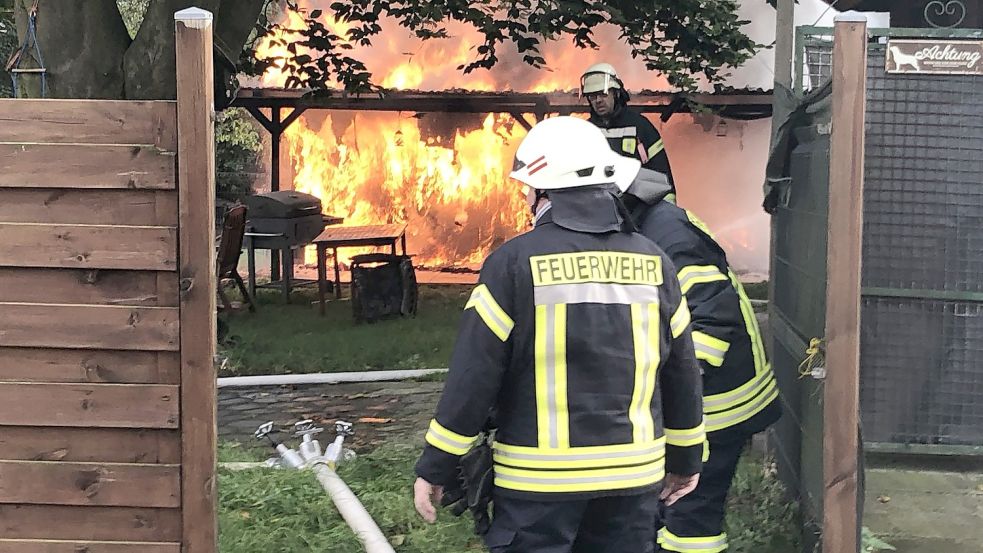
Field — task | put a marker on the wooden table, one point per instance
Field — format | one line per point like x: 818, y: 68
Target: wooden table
x: 334, y: 238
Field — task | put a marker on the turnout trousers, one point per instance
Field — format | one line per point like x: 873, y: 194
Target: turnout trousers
x: 614, y: 524
x: 695, y: 523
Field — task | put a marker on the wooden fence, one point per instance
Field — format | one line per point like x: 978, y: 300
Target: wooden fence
x: 107, y: 302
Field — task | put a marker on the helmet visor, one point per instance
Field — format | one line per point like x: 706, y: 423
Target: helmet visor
x: 597, y: 82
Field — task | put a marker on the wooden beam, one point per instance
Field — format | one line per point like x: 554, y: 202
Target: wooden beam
x: 88, y: 366
x: 89, y: 523
x: 88, y: 246
x: 75, y: 546
x: 521, y: 119
x: 196, y: 190
x: 841, y: 397
x: 28, y: 165
x: 95, y: 484
x: 88, y: 327
x: 91, y: 207
x: 89, y: 122
x: 89, y: 405
x: 85, y: 286
x: 785, y: 43
x: 90, y: 445
x: 294, y: 115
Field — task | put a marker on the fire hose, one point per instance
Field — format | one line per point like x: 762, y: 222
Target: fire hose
x: 310, y: 457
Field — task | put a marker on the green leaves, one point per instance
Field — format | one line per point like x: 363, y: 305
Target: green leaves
x: 684, y: 39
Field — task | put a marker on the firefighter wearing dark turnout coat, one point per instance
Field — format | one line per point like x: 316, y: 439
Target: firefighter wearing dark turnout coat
x: 577, y: 336
x: 740, y: 391
x: 628, y: 132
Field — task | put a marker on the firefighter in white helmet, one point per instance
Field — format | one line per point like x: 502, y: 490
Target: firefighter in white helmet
x: 577, y: 338
x: 628, y: 132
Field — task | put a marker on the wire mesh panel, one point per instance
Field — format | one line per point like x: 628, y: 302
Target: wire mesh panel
x: 817, y: 66
x: 922, y: 343
x: 921, y: 377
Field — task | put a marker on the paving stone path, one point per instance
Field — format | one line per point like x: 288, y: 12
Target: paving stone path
x: 380, y: 411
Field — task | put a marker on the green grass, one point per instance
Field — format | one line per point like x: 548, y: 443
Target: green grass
x: 268, y: 510
x: 760, y: 518
x: 293, y: 338
x: 264, y: 510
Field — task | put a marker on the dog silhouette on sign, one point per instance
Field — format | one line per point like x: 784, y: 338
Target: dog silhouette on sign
x: 901, y: 60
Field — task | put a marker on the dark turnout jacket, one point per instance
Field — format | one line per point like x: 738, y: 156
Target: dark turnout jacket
x: 579, y: 340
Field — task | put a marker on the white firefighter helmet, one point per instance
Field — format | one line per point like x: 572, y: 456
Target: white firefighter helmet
x: 568, y: 152
x: 599, y: 77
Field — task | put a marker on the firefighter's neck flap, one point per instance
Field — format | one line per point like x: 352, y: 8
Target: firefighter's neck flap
x: 649, y: 186
x: 591, y: 209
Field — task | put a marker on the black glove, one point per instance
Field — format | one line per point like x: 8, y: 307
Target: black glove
x: 476, y: 476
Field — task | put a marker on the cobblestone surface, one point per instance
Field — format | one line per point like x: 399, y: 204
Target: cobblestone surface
x: 379, y: 410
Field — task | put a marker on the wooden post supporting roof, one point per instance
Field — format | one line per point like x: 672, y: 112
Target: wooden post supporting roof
x: 842, y: 392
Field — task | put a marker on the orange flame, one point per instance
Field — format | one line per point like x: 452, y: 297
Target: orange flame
x: 451, y: 187
x: 456, y: 199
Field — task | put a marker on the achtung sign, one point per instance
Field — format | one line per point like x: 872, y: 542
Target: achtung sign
x: 951, y: 57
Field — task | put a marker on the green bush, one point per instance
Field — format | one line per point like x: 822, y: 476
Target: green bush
x: 237, y: 148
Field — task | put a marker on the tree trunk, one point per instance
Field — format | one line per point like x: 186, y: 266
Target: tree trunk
x: 82, y: 45
x: 149, y: 63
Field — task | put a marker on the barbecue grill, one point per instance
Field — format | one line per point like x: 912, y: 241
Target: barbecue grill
x: 281, y: 222
x: 294, y: 216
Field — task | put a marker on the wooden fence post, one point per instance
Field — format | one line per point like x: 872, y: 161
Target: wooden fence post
x: 196, y: 261
x: 842, y: 391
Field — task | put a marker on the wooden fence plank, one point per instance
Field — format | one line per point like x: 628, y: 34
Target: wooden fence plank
x: 92, y: 366
x: 88, y: 246
x: 92, y: 287
x: 90, y: 445
x: 841, y: 396
x: 57, y: 522
x: 196, y: 177
x: 89, y: 327
x: 85, y: 166
x: 53, y: 546
x: 101, y: 484
x: 89, y: 405
x: 90, y: 207
x: 90, y: 122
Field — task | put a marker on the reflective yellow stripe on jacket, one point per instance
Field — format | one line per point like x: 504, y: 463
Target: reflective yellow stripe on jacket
x: 447, y: 441
x: 740, y: 404
x: 686, y: 437
x: 680, y: 320
x: 497, y: 320
x: 698, y: 274
x: 656, y: 149
x: 702, y: 544
x: 710, y: 349
x: 579, y: 469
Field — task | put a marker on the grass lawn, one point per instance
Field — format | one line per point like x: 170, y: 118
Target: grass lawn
x: 294, y: 338
x: 264, y: 510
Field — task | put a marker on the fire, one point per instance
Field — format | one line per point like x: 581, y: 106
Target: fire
x: 456, y: 198
x: 450, y: 183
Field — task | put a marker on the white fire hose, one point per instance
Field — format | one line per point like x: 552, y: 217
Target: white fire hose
x: 352, y: 510
x: 310, y: 457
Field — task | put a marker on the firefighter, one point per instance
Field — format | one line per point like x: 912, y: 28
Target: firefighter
x: 740, y: 391
x: 628, y: 132
x: 577, y: 337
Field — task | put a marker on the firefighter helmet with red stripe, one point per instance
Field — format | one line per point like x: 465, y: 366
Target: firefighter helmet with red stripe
x: 568, y: 152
